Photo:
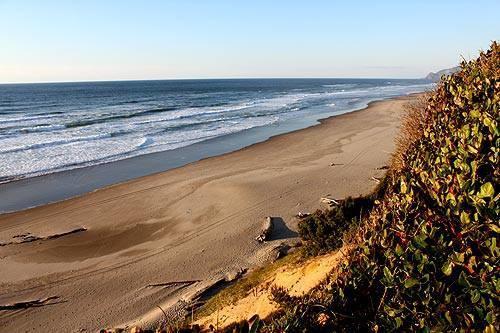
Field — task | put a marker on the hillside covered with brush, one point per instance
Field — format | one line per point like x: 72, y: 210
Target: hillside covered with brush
x: 426, y: 258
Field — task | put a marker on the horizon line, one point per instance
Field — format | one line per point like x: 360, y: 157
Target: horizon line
x: 216, y: 78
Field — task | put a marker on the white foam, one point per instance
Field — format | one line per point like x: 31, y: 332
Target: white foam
x: 39, y: 144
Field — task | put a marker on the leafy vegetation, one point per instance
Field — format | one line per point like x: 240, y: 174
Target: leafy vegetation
x: 427, y: 257
x: 324, y: 231
x: 327, y: 230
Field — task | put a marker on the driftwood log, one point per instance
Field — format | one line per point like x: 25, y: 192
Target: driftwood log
x: 329, y: 201
x: 235, y: 274
x: 30, y: 304
x: 302, y: 215
x: 281, y: 250
x: 266, y: 230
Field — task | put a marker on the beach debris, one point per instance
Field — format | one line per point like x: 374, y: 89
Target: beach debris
x: 22, y: 238
x: 29, y: 304
x: 329, y: 201
x: 172, y: 284
x: 266, y: 230
x: 280, y: 250
x: 383, y: 167
x: 235, y: 274
x: 294, y: 246
x: 22, y: 235
x: 376, y: 179
x: 335, y: 164
x: 74, y: 231
x: 302, y: 215
x: 29, y: 237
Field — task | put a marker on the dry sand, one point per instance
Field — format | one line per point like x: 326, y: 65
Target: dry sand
x: 194, y: 223
x: 297, y: 280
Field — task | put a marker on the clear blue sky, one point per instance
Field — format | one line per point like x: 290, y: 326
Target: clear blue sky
x: 75, y: 40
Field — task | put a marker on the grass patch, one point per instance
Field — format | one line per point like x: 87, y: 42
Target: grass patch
x: 244, y: 286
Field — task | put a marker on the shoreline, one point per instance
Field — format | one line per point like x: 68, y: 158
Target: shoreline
x: 23, y: 192
x: 110, y: 256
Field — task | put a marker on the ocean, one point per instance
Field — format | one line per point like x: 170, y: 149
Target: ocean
x: 51, y: 127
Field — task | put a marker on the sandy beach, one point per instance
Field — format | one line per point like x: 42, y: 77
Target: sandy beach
x: 107, y: 258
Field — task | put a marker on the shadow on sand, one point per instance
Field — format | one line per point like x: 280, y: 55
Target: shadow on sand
x: 281, y: 230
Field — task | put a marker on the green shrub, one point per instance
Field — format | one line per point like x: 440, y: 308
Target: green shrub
x: 323, y: 230
x: 427, y: 257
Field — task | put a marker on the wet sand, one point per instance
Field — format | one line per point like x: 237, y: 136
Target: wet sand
x: 100, y: 260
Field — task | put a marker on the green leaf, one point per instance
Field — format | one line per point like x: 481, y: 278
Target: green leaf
x: 403, y: 186
x: 475, y: 114
x: 475, y: 296
x: 490, y: 316
x: 492, y: 245
x: 387, y: 274
x: 451, y: 198
x: 399, y: 250
x: 464, y: 218
x: 448, y: 316
x: 419, y: 240
x: 410, y: 282
x: 494, y: 227
x: 458, y: 257
x: 486, y: 191
x: 447, y: 268
x: 462, y: 280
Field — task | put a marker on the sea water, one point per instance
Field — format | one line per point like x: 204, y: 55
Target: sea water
x: 47, y: 128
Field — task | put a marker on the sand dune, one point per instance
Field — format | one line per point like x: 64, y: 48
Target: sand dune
x: 192, y: 225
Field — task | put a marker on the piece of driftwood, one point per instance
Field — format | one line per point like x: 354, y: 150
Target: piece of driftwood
x: 28, y: 237
x: 74, y: 231
x: 329, y: 201
x: 172, y: 283
x: 266, y: 230
x: 375, y: 179
x: 29, y: 304
x: 235, y: 274
x: 281, y: 250
x: 302, y: 215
